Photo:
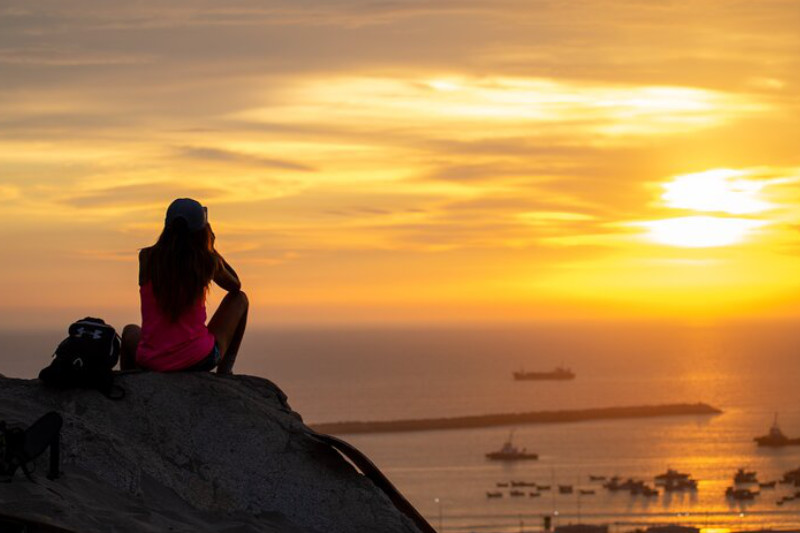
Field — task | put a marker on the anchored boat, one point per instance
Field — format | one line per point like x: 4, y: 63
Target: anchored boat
x: 509, y: 452
x: 775, y: 438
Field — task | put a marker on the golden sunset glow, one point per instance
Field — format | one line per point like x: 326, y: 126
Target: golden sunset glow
x: 380, y: 166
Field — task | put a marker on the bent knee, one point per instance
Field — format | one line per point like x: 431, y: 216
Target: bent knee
x: 130, y: 329
x: 242, y: 299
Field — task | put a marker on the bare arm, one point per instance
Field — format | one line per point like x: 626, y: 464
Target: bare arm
x: 225, y: 276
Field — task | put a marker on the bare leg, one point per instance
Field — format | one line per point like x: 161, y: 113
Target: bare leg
x: 228, y: 325
x: 130, y: 340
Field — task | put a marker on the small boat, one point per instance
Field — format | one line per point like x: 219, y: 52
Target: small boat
x: 533, y: 495
x: 517, y: 493
x: 558, y: 374
x: 596, y: 478
x: 502, y: 485
x: 509, y: 452
x: 522, y: 484
x: 767, y: 485
x: 649, y: 492
x: 740, y: 494
x: 680, y: 485
x: 494, y: 494
x: 791, y: 477
x: 775, y: 438
x: 543, y: 487
x: 742, y: 476
x: 671, y: 475
x: 565, y: 489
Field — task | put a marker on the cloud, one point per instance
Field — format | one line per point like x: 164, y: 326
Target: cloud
x: 598, y: 114
x: 49, y: 56
x: 228, y: 156
x: 139, y: 195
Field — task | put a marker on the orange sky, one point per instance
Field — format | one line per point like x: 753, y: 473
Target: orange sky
x: 407, y: 161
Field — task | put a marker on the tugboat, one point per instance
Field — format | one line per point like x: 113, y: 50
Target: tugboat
x: 509, y: 452
x: 776, y: 438
x: 559, y: 374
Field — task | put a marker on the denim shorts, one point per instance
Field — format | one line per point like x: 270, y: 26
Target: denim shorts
x: 209, y: 362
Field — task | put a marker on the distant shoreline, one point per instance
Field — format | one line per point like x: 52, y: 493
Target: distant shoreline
x: 508, y: 419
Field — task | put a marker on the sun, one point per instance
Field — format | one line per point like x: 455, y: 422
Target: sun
x: 727, y: 199
x: 718, y: 190
x: 700, y: 231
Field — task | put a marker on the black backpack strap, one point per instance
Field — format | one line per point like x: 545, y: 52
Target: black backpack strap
x: 23, y: 446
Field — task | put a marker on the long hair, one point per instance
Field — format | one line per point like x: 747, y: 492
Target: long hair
x: 180, y: 266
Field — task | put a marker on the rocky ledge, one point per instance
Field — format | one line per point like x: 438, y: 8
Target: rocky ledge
x: 188, y: 452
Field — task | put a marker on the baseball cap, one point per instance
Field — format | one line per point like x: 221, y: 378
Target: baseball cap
x: 195, y: 215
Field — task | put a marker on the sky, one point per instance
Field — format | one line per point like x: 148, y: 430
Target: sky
x: 405, y: 161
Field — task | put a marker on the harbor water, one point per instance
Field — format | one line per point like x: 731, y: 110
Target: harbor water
x: 749, y: 370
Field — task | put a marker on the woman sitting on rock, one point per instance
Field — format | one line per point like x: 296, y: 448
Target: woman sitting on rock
x: 174, y: 276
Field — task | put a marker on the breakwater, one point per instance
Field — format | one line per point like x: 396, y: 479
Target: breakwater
x: 509, y: 419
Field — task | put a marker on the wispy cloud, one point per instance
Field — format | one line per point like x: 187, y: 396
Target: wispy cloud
x: 228, y: 156
x: 139, y: 195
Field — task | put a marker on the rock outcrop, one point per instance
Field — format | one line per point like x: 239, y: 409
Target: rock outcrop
x: 189, y: 452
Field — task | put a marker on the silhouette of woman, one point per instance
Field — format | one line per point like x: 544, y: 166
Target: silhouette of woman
x: 174, y: 276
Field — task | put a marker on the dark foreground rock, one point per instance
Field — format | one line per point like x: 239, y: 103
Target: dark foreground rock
x: 188, y: 452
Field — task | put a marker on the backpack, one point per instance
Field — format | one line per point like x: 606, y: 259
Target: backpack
x: 85, y: 359
x: 19, y: 446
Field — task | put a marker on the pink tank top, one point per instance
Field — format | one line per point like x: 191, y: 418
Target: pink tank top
x: 167, y: 346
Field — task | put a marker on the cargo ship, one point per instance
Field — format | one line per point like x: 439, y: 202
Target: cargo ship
x: 559, y: 374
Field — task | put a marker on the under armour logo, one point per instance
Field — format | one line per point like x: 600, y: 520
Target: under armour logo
x: 95, y: 333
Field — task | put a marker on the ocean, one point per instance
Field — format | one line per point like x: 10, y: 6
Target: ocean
x: 749, y: 370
